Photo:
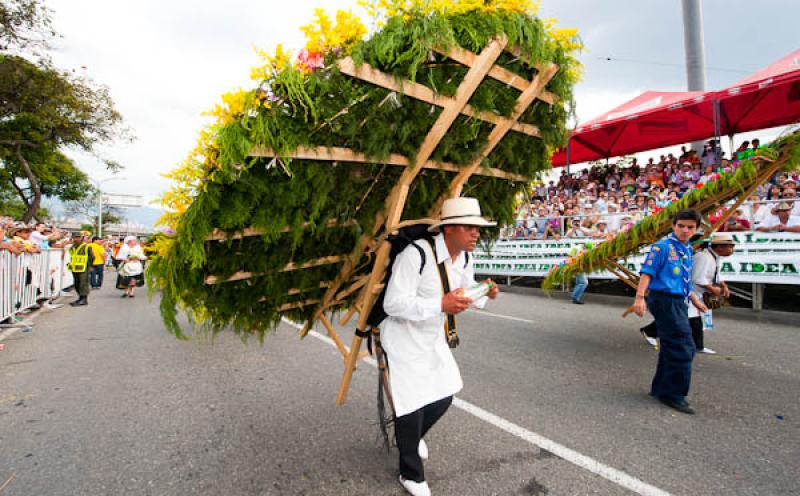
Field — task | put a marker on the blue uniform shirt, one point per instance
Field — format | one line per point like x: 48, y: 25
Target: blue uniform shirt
x: 669, y: 263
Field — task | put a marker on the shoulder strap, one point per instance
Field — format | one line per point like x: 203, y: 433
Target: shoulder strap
x: 421, y: 255
x: 450, y: 322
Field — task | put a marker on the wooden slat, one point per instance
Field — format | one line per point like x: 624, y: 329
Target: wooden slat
x: 498, y: 133
x: 297, y: 291
x: 353, y: 288
x: 298, y: 304
x: 421, y: 92
x: 242, y: 275
x: 340, y: 154
x: 221, y: 235
x: 347, y: 316
x: 333, y: 335
x: 497, y: 72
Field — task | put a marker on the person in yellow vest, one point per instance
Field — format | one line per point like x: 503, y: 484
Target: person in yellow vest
x: 80, y: 257
x: 98, y: 263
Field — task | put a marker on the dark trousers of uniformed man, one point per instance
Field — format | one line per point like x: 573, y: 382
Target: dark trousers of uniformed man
x: 696, y: 323
x: 674, y: 372
x: 82, y: 283
x: 410, y: 429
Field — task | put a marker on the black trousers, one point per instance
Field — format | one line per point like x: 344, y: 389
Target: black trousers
x: 696, y: 323
x: 409, y: 429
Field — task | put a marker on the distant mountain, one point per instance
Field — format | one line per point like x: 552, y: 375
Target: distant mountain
x: 142, y: 215
x: 146, y: 216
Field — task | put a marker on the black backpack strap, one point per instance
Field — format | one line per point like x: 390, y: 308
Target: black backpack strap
x: 421, y: 255
x: 450, y: 322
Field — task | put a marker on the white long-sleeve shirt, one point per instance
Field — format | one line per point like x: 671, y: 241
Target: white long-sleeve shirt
x: 705, y: 272
x: 422, y: 369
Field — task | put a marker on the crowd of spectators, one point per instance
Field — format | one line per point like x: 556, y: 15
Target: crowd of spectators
x: 18, y: 238
x: 603, y: 200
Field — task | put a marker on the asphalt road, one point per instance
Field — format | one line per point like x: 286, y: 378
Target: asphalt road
x: 100, y: 400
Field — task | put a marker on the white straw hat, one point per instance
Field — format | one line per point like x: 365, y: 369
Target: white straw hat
x: 463, y: 211
x: 722, y: 239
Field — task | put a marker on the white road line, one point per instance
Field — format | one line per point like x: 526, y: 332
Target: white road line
x: 609, y: 473
x: 501, y: 316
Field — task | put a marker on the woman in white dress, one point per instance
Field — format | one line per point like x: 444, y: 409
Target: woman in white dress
x: 131, y: 271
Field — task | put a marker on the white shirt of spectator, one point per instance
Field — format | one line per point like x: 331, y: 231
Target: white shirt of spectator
x: 705, y: 271
x: 613, y: 221
x: 762, y: 213
x: 422, y: 365
x: 774, y: 220
x: 37, y: 238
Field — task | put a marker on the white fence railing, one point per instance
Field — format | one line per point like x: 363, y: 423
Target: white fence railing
x: 31, y: 277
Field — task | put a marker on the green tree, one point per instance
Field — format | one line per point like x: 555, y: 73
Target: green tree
x: 24, y: 24
x: 42, y: 111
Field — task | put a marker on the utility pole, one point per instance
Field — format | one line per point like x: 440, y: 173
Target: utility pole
x: 98, y: 185
x: 694, y: 45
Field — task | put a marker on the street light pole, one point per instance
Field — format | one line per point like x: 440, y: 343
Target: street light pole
x: 99, y: 213
x: 98, y: 185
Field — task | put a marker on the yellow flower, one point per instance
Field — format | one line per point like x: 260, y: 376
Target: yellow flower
x: 234, y: 103
x: 323, y: 35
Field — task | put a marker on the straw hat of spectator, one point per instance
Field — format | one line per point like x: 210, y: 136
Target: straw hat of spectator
x: 18, y: 229
x: 722, y: 239
x: 783, y: 206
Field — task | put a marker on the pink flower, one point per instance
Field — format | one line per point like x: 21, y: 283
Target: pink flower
x: 308, y: 61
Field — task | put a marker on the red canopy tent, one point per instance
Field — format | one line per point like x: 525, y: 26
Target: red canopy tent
x: 651, y: 120
x: 768, y: 98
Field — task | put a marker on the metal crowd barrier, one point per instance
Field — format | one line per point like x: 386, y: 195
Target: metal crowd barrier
x: 30, y: 278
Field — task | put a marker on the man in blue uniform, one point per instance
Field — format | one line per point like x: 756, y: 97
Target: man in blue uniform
x: 667, y: 274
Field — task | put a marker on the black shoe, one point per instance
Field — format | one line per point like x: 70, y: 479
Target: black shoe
x: 682, y: 406
x: 577, y: 302
x: 76, y: 302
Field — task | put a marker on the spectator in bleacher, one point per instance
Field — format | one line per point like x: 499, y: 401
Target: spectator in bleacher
x: 742, y: 148
x: 522, y: 231
x: 782, y: 220
x: 601, y: 230
x: 789, y: 194
x: 737, y: 222
x: 575, y: 230
x: 651, y: 206
x: 612, y: 218
x: 775, y: 192
x: 601, y: 204
x: 546, y: 225
x: 709, y: 157
x: 756, y: 212
x: 635, y: 213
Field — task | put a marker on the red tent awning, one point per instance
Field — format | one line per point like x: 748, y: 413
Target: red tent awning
x: 767, y: 98
x: 651, y: 120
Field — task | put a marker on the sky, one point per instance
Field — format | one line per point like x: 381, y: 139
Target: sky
x: 166, y: 62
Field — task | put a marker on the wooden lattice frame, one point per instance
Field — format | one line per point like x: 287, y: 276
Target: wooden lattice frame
x: 479, y: 66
